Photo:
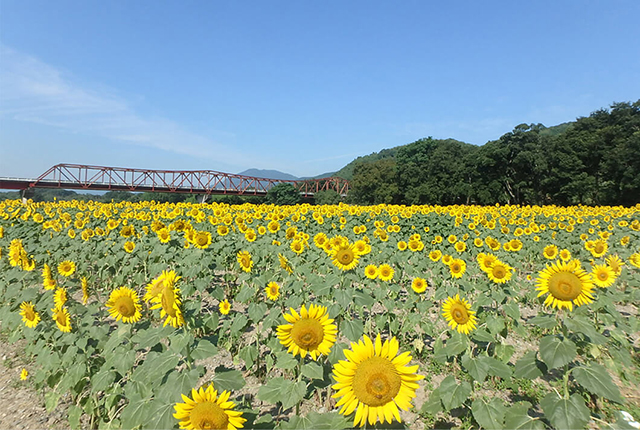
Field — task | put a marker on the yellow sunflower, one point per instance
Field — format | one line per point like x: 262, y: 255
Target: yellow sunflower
x: 30, y: 317
x: 66, y: 268
x: 223, y: 230
x: 402, y: 245
x: 245, y: 261
x: 634, y: 259
x: 164, y: 235
x: 297, y: 246
x: 374, y: 381
x: 435, y: 255
x: 385, y: 272
x: 224, y: 307
x: 615, y: 263
x: 567, y: 285
x: 457, y: 268
x: 202, y: 240
x: 85, y: 290
x: 419, y: 285
x: 24, y: 374
x: 310, y: 332
x: 169, y: 302
x: 207, y: 410
x: 123, y: 304
x: 344, y: 257
x: 129, y: 246
x: 499, y: 272
x: 155, y: 287
x: 284, y: 263
x: 550, y: 252
x: 371, y: 271
x: 60, y: 297
x: 565, y: 255
x: 603, y: 275
x: 272, y: 291
x: 459, y: 315
x: 446, y: 259
x: 62, y: 318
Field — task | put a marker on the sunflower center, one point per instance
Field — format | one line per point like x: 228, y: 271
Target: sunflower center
x: 61, y: 318
x: 459, y: 313
x: 499, y: 272
x: 455, y: 267
x: 125, y: 306
x: 603, y: 276
x: 208, y: 415
x: 168, y: 300
x: 345, y: 256
x: 29, y: 314
x: 565, y: 286
x: 376, y: 381
x: 307, y: 333
x: 599, y: 248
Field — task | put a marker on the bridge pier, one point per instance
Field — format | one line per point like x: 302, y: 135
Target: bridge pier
x: 26, y: 194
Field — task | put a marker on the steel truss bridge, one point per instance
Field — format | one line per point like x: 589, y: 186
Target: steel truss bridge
x: 206, y: 182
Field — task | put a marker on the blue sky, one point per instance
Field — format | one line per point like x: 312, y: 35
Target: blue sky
x: 298, y: 86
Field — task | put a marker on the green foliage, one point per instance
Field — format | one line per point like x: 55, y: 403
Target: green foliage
x: 327, y: 197
x: 283, y: 194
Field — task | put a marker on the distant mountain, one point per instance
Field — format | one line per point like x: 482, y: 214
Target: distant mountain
x: 268, y: 174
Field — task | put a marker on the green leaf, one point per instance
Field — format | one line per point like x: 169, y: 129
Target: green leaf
x: 239, y: 321
x: 478, y: 369
x: 490, y: 415
x: 256, y: 311
x: 179, y: 383
x: 211, y: 321
x: 245, y: 293
x: 433, y: 405
x: 102, y: 380
x: 313, y: 371
x: 161, y: 416
x: 556, y: 352
x: 504, y: 352
x: 352, y: 329
x: 229, y: 380
x: 595, y: 378
x: 543, y: 321
x: 204, y: 349
x: 337, y: 352
x: 517, y: 418
x: 285, y: 361
x: 495, y: 325
x: 456, y: 344
x: 496, y: 367
x: 179, y: 341
x: 282, y: 390
x: 529, y: 367
x: 362, y: 299
x: 512, y: 310
x: 51, y: 400
x: 569, y: 413
x: 481, y: 335
x: 158, y: 365
x: 315, y: 420
x: 452, y: 393
x: 74, y: 414
x: 249, y: 354
x: 580, y: 324
x: 135, y: 413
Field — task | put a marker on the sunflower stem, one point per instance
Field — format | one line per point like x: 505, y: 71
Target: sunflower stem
x: 189, y: 359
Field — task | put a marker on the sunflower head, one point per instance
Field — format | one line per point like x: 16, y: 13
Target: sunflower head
x: 309, y: 332
x: 66, y: 268
x: 603, y: 275
x: 169, y: 302
x: 459, y: 315
x: 457, y: 267
x: 344, y: 257
x: 284, y: 263
x: 62, y: 318
x: 30, y: 317
x: 245, y: 261
x: 208, y: 410
x: 385, y: 272
x: 499, y: 272
x: 272, y: 291
x: 371, y: 271
x: 123, y: 304
x: 374, y: 381
x: 419, y: 285
x: 224, y: 307
x: 566, y: 285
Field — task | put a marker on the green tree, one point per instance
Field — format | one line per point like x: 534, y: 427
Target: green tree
x: 283, y: 194
x: 327, y: 197
x: 374, y: 183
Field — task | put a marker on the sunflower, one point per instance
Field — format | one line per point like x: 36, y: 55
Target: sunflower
x: 284, y: 263
x: 24, y: 374
x: 297, y: 246
x: 169, y: 302
x: 49, y: 284
x: 385, y: 272
x: 374, y: 381
x: 550, y: 252
x: 155, y: 287
x: 634, y: 259
x: 129, y: 246
x: 458, y: 314
x: 435, y: 255
x: 419, y: 285
x: 224, y: 307
x: 344, y: 257
x: 123, y: 304
x: 600, y: 248
x: 460, y: 247
x: 30, y: 317
x: 207, y: 410
x: 66, y: 268
x: 499, y: 272
x: 603, y: 275
x: 402, y: 245
x: 361, y: 247
x: 60, y: 297
x: 567, y: 285
x: 164, y: 236
x: 487, y: 261
x: 202, y: 240
x: 245, y: 261
x: 371, y: 271
x: 615, y: 263
x: 457, y: 268
x: 320, y: 239
x: 272, y: 291
x: 223, y: 230
x: 446, y: 259
x: 273, y: 226
x: 310, y: 332
x: 85, y: 290
x: 565, y: 255
x: 62, y: 318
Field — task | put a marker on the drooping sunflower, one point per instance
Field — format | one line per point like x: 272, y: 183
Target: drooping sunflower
x: 566, y: 283
x: 66, y: 268
x: 499, y: 272
x: 272, y: 291
x: 459, y: 315
x: 60, y: 297
x: 85, y: 290
x: 310, y: 332
x: 123, y: 304
x: 385, y: 272
x: 419, y: 285
x: 615, y: 263
x: 371, y: 271
x: 62, y: 318
x: 457, y: 268
x: 374, y: 381
x: 245, y: 261
x: 207, y: 410
x: 284, y: 263
x: 224, y: 307
x: 634, y: 259
x: 344, y: 257
x: 169, y: 302
x: 603, y: 275
x: 30, y: 317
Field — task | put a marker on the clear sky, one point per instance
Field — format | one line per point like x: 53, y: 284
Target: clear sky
x: 299, y: 86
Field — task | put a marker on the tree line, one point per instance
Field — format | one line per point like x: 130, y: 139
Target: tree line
x: 594, y: 160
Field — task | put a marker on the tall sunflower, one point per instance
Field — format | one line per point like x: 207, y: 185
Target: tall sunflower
x: 603, y: 275
x: 245, y: 261
x: 567, y: 285
x: 457, y: 268
x: 499, y: 272
x: 169, y: 302
x: 66, y: 268
x: 208, y: 410
x: 284, y: 263
x: 344, y: 257
x: 374, y: 381
x: 60, y: 297
x: 385, y: 272
x: 62, y: 318
x: 155, y: 287
x: 310, y: 332
x: 85, y: 290
x: 371, y: 271
x: 459, y: 315
x: 272, y: 291
x: 550, y: 252
x: 30, y: 317
x: 123, y: 304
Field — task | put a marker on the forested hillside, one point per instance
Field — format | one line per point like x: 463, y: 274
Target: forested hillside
x: 594, y: 160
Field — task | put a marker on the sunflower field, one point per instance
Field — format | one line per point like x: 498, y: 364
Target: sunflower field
x: 193, y: 316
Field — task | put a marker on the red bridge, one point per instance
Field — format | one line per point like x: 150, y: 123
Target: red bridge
x: 76, y: 176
